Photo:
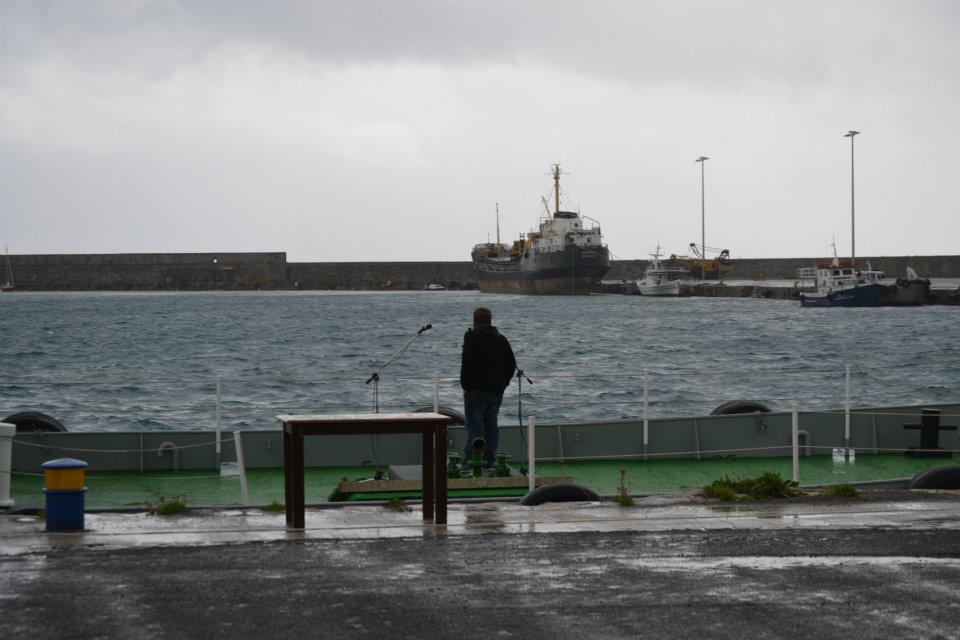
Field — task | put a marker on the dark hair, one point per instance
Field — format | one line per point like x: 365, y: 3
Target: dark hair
x: 482, y: 317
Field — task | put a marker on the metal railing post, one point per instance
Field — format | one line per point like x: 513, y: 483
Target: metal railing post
x: 531, y: 455
x: 846, y: 412
x: 241, y: 464
x: 7, y: 433
x: 218, y: 423
x: 795, y: 440
x: 646, y: 412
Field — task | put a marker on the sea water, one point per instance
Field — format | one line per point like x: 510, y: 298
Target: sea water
x: 133, y: 361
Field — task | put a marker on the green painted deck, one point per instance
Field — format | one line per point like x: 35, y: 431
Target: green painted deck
x: 207, y: 488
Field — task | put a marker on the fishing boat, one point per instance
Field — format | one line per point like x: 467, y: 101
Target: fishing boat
x: 660, y: 280
x: 8, y: 284
x: 565, y: 256
x: 839, y: 284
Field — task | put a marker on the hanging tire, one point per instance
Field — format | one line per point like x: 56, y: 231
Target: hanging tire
x: 740, y: 406
x: 559, y: 493
x: 445, y: 411
x: 34, y: 422
x: 936, y: 478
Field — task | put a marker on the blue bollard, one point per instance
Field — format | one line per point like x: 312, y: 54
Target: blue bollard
x: 64, y: 489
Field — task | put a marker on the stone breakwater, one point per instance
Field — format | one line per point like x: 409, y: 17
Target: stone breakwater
x: 253, y: 271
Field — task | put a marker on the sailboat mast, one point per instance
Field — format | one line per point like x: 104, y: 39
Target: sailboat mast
x: 556, y: 187
x: 498, y: 223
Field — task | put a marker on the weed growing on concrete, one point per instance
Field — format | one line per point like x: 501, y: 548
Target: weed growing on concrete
x: 843, y: 490
x: 623, y: 497
x: 168, y: 507
x: 273, y: 507
x: 766, y: 485
x: 396, y: 504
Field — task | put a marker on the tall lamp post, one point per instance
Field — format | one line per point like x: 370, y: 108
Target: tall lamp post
x: 853, y: 241
x: 703, y: 221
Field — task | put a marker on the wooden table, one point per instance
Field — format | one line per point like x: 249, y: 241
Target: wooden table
x: 432, y: 426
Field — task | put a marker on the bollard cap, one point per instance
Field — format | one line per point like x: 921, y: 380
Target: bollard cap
x: 64, y: 463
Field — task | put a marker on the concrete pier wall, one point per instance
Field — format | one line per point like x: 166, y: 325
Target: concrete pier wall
x: 252, y: 271
x: 150, y: 272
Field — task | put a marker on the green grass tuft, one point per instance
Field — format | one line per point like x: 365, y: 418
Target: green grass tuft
x: 843, y: 490
x: 273, y: 507
x: 767, y: 485
x: 168, y: 507
x: 623, y: 497
x: 396, y: 504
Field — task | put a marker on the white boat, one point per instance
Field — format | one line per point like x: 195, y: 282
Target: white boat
x: 433, y: 286
x: 659, y: 280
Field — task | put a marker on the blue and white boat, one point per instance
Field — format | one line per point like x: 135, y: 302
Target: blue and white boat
x: 838, y: 284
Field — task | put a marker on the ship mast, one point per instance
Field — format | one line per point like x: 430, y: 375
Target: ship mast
x: 498, y: 223
x: 556, y: 186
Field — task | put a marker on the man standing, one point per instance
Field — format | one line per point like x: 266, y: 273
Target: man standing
x: 486, y: 368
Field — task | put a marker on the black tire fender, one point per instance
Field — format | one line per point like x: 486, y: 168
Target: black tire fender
x: 450, y: 412
x: 740, y: 406
x: 559, y: 492
x: 33, y: 422
x: 936, y: 478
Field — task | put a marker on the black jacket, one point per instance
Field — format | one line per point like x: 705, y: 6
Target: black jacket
x: 487, y: 363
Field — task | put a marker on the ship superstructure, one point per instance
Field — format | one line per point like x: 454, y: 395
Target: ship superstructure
x: 565, y: 256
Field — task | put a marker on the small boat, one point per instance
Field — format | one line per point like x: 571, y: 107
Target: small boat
x: 659, y: 280
x: 8, y: 285
x: 433, y: 286
x: 838, y: 284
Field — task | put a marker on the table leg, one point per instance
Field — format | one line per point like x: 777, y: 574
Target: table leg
x: 427, y: 480
x: 287, y: 471
x: 440, y: 473
x: 298, y: 480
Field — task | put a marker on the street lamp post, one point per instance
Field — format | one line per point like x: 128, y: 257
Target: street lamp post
x: 853, y: 242
x: 703, y: 221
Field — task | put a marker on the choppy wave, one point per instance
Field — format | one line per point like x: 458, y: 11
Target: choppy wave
x: 151, y: 361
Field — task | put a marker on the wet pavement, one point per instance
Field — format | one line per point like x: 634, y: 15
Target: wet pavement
x: 669, y: 567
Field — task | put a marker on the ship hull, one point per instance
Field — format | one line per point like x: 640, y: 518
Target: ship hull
x: 573, y: 271
x: 860, y: 296
x: 664, y: 289
x: 905, y: 293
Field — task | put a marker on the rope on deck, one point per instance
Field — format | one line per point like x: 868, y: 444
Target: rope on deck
x: 150, y: 450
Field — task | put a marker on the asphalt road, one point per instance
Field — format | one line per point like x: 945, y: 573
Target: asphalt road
x: 788, y: 583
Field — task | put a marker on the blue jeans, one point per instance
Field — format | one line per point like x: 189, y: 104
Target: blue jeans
x: 480, y: 410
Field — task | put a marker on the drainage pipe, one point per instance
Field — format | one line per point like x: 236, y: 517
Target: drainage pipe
x: 174, y: 453
x: 807, y: 441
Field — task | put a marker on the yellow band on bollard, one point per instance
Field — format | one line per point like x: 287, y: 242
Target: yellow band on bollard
x: 59, y: 479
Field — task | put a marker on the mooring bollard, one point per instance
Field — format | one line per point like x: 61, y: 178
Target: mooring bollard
x: 7, y: 431
x: 64, y: 489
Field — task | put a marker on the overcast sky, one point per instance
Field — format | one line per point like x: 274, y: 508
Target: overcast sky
x: 388, y: 130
